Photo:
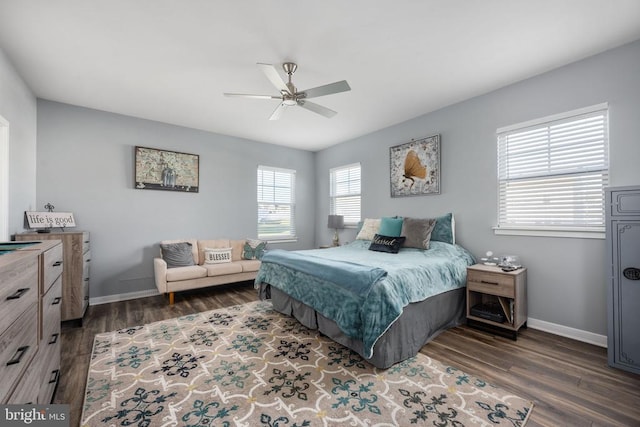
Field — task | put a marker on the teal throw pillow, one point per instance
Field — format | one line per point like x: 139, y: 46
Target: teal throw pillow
x: 253, y: 249
x: 444, y: 231
x: 390, y: 226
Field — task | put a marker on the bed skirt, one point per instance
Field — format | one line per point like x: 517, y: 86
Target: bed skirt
x: 419, y: 323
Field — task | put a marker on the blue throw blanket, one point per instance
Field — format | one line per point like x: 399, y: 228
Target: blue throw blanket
x: 356, y: 278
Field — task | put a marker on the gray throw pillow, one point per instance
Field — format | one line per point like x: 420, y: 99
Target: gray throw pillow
x: 417, y: 232
x: 177, y: 254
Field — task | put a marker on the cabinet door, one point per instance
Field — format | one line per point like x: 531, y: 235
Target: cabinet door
x: 626, y: 295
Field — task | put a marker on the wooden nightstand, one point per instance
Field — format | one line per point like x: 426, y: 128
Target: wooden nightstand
x: 505, y: 293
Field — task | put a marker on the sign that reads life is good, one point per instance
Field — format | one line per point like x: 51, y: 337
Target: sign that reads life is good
x: 50, y: 219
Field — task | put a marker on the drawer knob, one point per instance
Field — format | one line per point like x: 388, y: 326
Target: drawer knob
x: 486, y: 282
x: 54, y: 338
x: 56, y: 300
x: 631, y: 273
x: 54, y: 376
x: 57, y: 263
x: 18, y: 294
x: 18, y: 356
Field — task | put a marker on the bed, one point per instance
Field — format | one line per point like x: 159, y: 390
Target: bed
x: 383, y: 306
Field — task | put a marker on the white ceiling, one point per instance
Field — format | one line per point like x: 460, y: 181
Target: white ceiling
x: 170, y: 60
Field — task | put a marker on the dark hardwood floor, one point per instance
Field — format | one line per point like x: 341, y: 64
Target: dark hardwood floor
x: 568, y: 381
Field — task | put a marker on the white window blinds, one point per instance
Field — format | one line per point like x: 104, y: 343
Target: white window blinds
x: 276, y: 203
x: 345, y: 192
x: 552, y: 172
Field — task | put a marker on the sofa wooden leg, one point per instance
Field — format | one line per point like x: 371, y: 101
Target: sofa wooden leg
x: 171, y: 298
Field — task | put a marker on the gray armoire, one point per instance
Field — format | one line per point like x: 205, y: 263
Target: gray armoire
x: 622, y: 206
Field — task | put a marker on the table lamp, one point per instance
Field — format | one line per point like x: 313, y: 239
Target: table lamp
x: 336, y: 222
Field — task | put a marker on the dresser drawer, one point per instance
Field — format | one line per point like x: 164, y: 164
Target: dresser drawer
x: 50, y: 372
x: 19, y: 288
x: 18, y: 345
x: 52, y: 267
x: 27, y: 390
x: 85, y: 242
x: 51, y: 314
x: 491, y: 283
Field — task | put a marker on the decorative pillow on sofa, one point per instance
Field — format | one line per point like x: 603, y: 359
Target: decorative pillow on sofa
x: 391, y: 226
x: 369, y: 229
x: 217, y: 255
x: 445, y: 229
x: 254, y: 249
x: 390, y: 244
x: 177, y: 254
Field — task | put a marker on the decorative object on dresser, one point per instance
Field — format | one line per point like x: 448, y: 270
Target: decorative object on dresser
x: 622, y: 212
x: 497, y: 299
x: 415, y: 167
x: 337, y: 223
x: 75, y: 274
x: 30, y: 296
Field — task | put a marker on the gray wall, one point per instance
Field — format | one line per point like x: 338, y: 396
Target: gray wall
x: 18, y: 107
x: 86, y: 166
x: 566, y: 275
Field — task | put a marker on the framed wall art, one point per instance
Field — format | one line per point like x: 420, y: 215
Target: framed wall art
x: 166, y: 170
x: 415, y: 167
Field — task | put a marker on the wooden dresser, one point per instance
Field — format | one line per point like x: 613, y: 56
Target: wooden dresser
x: 30, y: 300
x: 75, y: 275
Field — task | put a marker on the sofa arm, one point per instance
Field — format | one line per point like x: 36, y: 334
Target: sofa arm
x: 160, y: 271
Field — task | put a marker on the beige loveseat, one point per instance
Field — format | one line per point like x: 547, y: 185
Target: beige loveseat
x: 201, y: 274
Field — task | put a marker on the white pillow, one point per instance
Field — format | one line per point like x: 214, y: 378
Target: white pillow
x: 217, y: 255
x: 369, y: 229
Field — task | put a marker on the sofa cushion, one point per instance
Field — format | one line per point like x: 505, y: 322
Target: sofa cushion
x: 194, y: 246
x: 237, y: 245
x: 214, y: 244
x: 177, y: 254
x: 249, y: 265
x: 185, y: 273
x: 222, y: 269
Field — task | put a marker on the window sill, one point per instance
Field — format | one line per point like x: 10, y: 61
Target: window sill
x: 584, y: 233
x: 288, y: 240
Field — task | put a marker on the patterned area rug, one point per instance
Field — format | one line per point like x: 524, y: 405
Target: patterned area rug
x: 248, y: 365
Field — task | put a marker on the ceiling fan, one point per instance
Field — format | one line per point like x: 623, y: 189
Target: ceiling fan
x: 289, y: 94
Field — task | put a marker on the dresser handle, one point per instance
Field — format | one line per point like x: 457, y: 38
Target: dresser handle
x: 18, y: 356
x: 56, y: 374
x: 56, y: 300
x: 57, y: 264
x: 18, y: 294
x: 489, y: 283
x: 54, y: 338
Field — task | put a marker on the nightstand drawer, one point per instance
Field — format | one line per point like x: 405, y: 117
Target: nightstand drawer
x: 491, y: 283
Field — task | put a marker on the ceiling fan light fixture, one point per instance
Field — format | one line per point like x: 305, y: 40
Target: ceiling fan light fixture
x: 289, y: 102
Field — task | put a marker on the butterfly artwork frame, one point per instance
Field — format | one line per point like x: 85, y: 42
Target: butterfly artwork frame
x: 415, y: 167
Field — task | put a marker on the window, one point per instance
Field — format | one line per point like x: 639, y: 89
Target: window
x: 345, y: 193
x: 276, y: 203
x: 552, y: 173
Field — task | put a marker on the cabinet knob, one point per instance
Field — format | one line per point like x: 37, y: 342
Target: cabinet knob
x: 631, y: 273
x: 56, y: 301
x: 17, y: 357
x: 18, y: 294
x: 57, y: 264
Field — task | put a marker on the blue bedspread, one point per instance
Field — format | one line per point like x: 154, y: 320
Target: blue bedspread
x: 412, y: 275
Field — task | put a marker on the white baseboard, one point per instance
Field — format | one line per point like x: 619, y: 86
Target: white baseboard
x: 123, y: 297
x: 565, y: 331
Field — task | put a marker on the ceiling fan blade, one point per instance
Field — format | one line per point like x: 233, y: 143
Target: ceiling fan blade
x: 278, y: 111
x: 311, y: 106
x: 336, y: 87
x: 248, y: 95
x: 273, y: 76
